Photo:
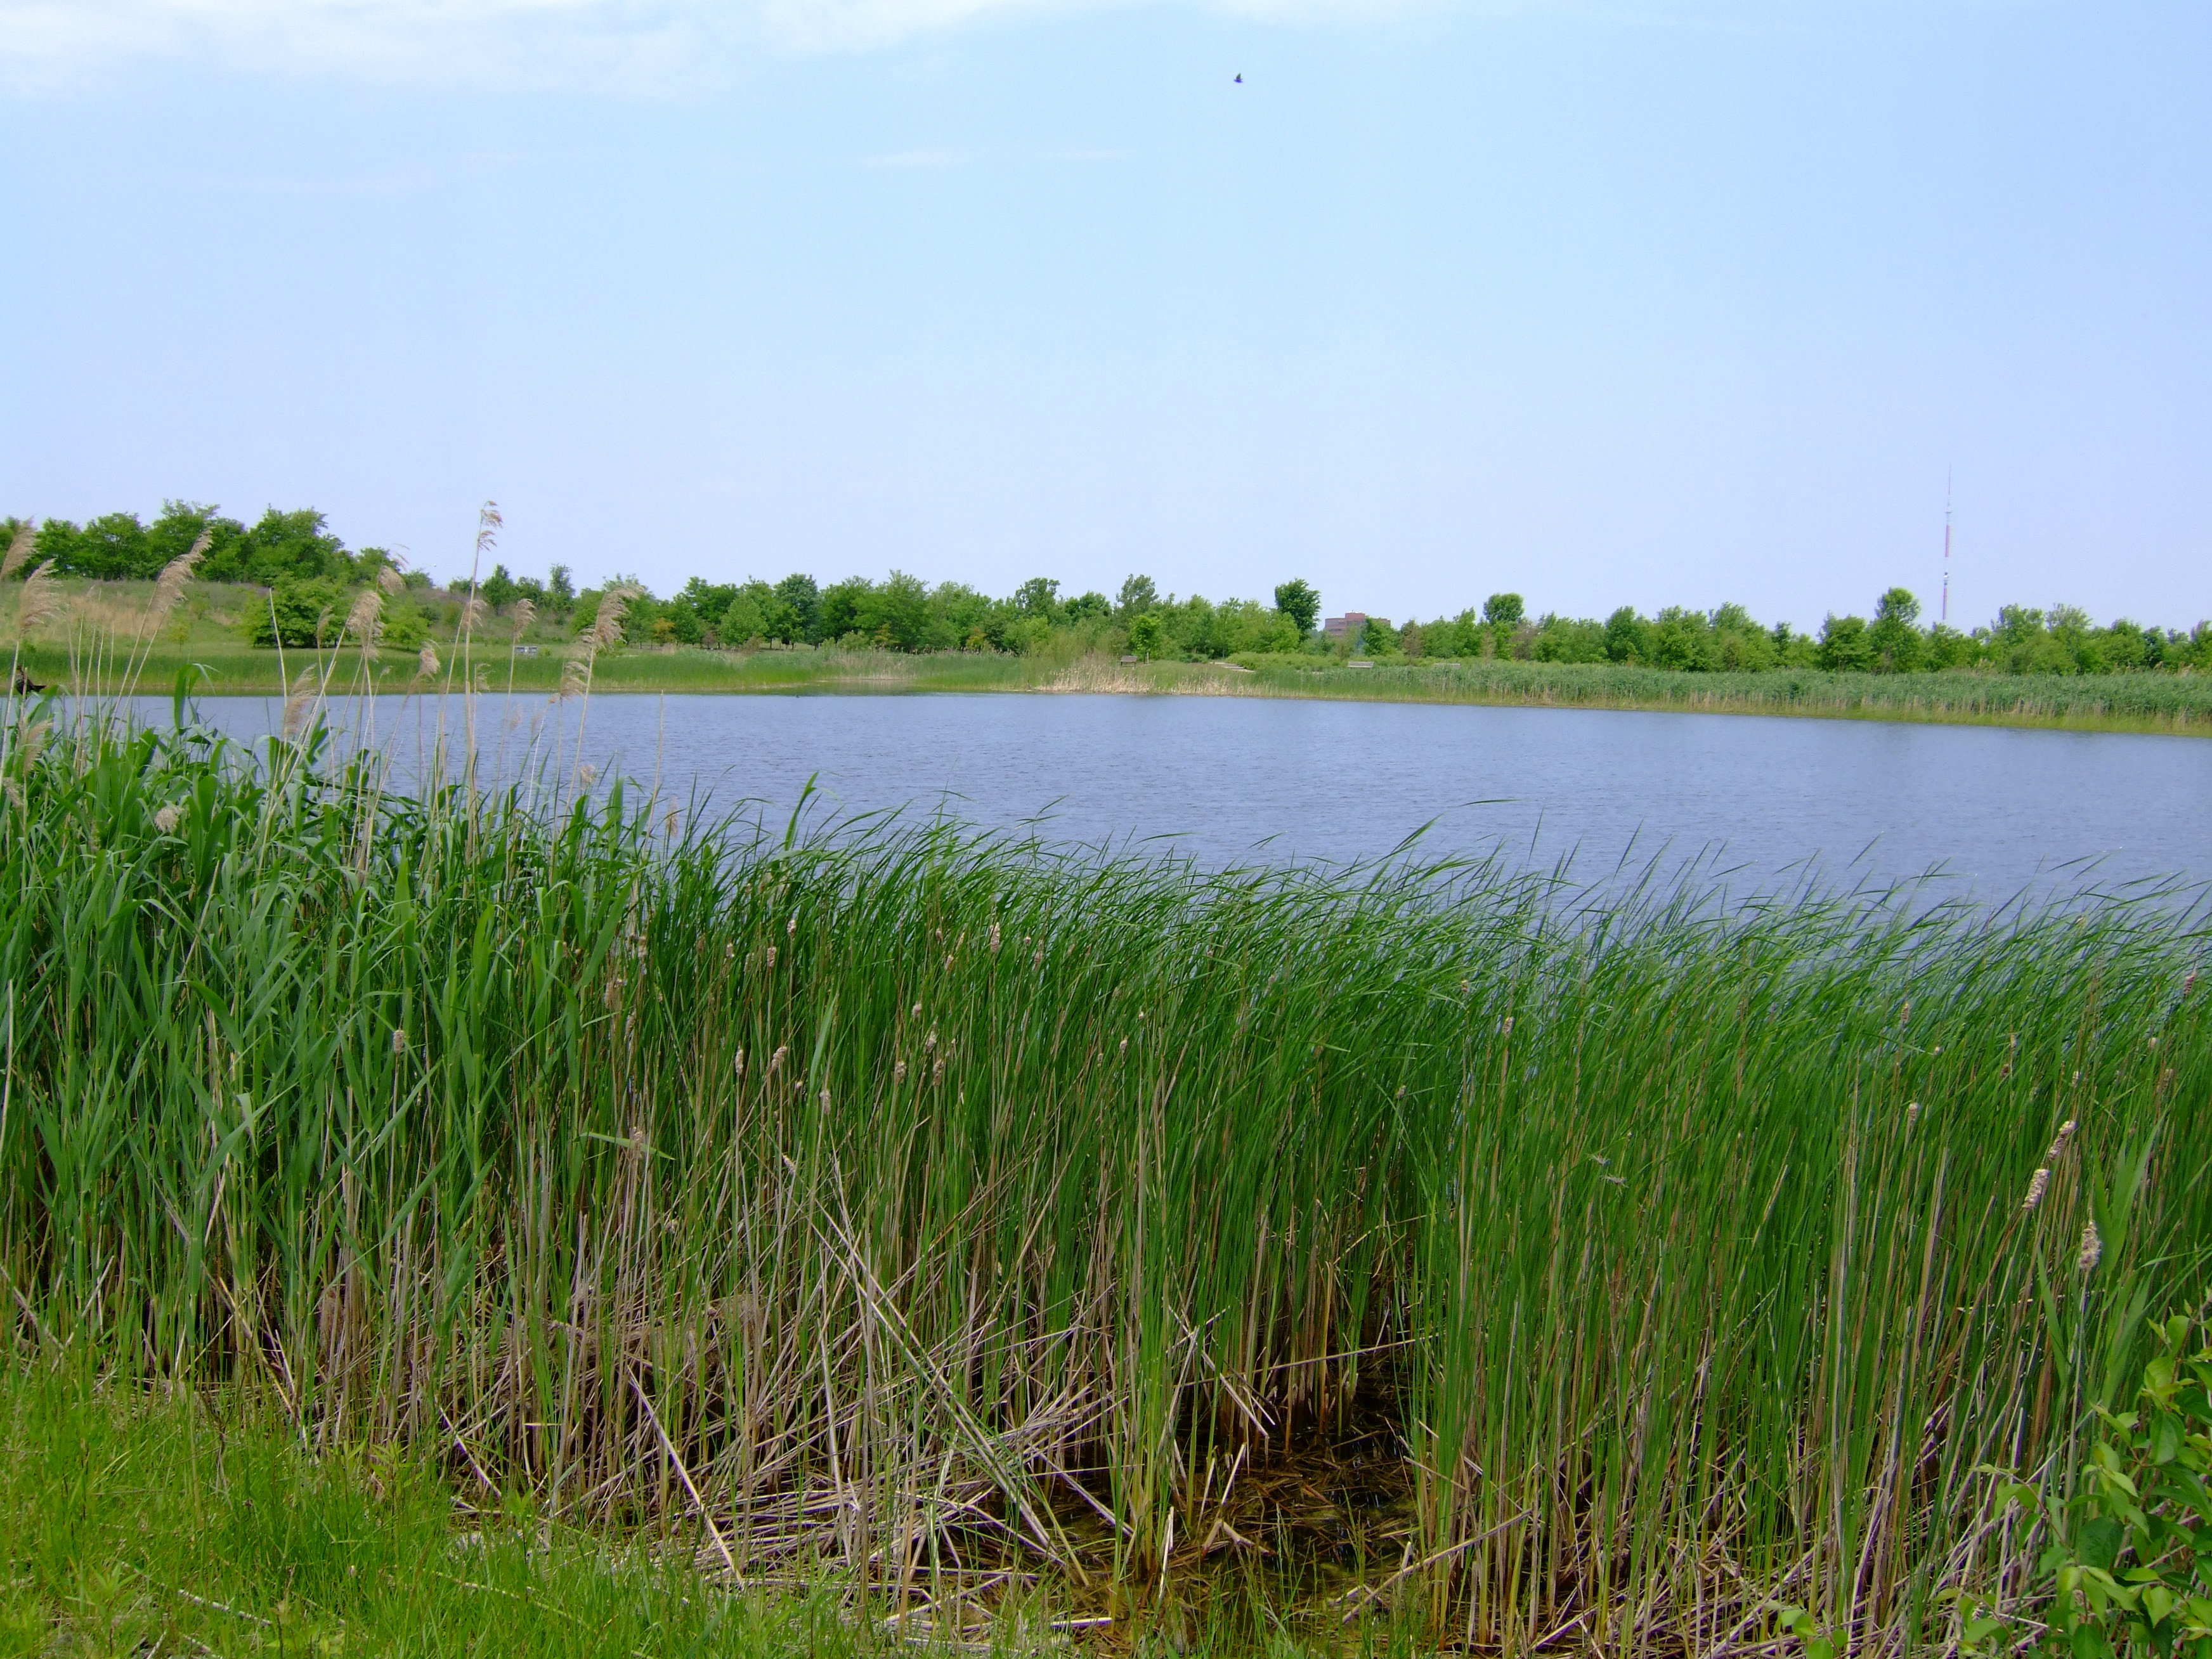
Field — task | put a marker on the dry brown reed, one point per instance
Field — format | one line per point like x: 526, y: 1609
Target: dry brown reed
x: 40, y: 601
x: 20, y: 547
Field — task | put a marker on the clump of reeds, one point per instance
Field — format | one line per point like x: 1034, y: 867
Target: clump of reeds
x: 1066, y: 1196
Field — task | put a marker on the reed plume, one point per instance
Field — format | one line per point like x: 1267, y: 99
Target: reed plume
x: 19, y: 548
x: 2093, y: 1248
x: 607, y: 626
x: 169, y: 586
x: 366, y: 619
x: 42, y: 599
x: 298, y: 701
x: 426, y: 662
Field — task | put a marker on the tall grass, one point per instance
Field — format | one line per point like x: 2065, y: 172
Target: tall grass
x: 936, y: 1206
x: 2132, y: 702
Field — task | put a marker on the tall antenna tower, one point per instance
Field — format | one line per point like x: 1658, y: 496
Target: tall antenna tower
x: 1945, y: 615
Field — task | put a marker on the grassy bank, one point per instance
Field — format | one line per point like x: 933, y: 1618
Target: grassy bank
x: 139, y: 1522
x: 2109, y: 702
x: 221, y: 664
x: 918, y: 1211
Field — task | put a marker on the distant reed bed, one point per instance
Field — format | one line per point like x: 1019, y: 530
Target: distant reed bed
x: 2148, y: 703
x: 923, y: 1208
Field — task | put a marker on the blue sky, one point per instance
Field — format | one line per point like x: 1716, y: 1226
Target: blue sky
x: 1663, y: 302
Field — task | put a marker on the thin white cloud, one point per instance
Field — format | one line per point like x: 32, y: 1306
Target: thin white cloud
x: 492, y: 42
x: 616, y: 44
x: 955, y: 158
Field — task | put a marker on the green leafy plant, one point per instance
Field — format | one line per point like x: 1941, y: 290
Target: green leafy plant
x: 2129, y: 1564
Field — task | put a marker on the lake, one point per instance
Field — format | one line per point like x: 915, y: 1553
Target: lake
x: 1758, y: 801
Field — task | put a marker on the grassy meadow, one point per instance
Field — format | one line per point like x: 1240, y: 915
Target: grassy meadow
x: 968, y: 1231
x: 99, y: 643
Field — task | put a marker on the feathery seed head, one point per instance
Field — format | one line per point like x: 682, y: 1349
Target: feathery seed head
x: 917, y: 1011
x: 607, y: 626
x: 39, y: 601
x: 791, y: 928
x: 775, y: 1060
x: 363, y: 620
x: 391, y: 581
x: 771, y: 955
x: 399, y: 1039
x: 297, y: 704
x: 898, y: 1071
x: 169, y: 586
x: 825, y: 1100
x: 426, y: 662
x: 168, y: 818
x: 19, y: 548
x: 2036, y: 1183
x: 995, y: 939
x: 2093, y: 1248
x: 1911, y: 1114
x: 739, y: 1064
x: 2058, y: 1146
x: 524, y: 613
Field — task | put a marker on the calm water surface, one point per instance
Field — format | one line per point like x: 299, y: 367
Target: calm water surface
x: 1239, y: 780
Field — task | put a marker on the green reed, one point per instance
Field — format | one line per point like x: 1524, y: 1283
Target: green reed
x: 916, y: 1204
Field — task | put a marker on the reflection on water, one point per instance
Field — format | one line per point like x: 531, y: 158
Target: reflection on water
x: 1227, y: 780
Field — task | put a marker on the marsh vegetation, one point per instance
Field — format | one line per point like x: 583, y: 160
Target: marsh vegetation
x: 950, y: 1219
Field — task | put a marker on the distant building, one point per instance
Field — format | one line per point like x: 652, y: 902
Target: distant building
x: 1345, y: 627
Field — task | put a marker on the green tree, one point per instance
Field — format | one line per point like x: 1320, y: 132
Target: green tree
x: 1682, y: 640
x: 746, y: 616
x: 299, y: 614
x: 840, y: 612
x: 1038, y: 596
x: 800, y: 621
x: 1138, y: 596
x: 1301, y: 602
x: 112, y: 548
x: 1894, y: 641
x: 1145, y: 633
x: 1844, y: 645
x: 1503, y: 609
x: 1625, y: 636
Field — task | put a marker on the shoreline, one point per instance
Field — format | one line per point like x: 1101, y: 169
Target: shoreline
x: 2139, y: 704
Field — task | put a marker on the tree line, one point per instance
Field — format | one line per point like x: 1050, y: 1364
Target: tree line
x: 309, y: 573
x: 2022, y: 639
